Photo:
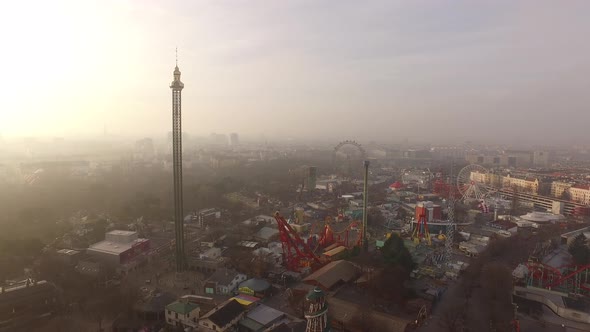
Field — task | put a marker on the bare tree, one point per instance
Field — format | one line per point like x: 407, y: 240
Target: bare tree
x: 363, y: 320
x: 452, y: 317
x: 388, y: 285
x: 243, y: 261
x: 296, y: 301
x: 496, y: 279
x: 375, y: 217
x: 261, y: 266
x: 515, y: 204
x: 565, y: 195
x: 466, y: 287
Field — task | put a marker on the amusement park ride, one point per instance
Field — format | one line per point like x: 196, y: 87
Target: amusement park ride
x: 468, y: 186
x: 569, y: 279
x: 421, y: 232
x: 330, y: 236
x: 472, y: 183
x: 346, y: 155
x: 298, y: 254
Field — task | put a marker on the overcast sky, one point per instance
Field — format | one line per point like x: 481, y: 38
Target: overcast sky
x: 386, y: 70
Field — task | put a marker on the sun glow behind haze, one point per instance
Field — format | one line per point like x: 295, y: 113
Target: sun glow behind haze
x: 298, y: 68
x: 60, y: 61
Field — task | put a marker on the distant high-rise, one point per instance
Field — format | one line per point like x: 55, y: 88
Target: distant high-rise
x: 541, y: 158
x: 312, y: 178
x: 234, y: 139
x: 177, y: 87
x: 218, y: 139
x: 144, y: 149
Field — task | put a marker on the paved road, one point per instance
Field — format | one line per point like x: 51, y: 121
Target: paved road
x: 548, y: 320
x: 551, y: 318
x: 432, y: 323
x: 545, y: 317
x: 529, y: 324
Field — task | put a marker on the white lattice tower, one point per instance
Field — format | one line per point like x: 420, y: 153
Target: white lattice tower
x: 451, y: 215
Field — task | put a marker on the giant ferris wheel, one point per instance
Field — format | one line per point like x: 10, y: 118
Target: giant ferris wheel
x: 472, y: 182
x: 348, y: 157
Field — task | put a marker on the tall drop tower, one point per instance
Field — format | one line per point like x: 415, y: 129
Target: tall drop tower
x: 177, y: 87
x: 365, y: 205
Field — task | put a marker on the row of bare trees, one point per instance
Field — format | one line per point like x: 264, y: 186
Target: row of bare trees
x: 482, y: 299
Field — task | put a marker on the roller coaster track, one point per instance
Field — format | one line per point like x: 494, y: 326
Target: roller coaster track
x: 575, y: 276
x: 570, y: 278
x: 328, y: 235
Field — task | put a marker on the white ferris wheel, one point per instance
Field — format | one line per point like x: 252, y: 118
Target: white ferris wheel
x: 472, y: 182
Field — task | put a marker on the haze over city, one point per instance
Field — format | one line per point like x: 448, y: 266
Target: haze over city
x: 294, y: 166
x: 455, y: 70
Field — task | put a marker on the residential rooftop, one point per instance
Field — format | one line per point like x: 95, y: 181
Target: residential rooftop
x: 114, y: 248
x: 224, y: 315
x: 121, y: 232
x: 332, y: 274
x: 182, y: 307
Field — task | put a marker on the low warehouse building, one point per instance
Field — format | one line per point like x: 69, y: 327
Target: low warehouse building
x: 333, y: 274
x: 119, y: 248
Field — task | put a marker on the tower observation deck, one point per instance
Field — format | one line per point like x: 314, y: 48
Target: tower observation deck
x: 316, y: 311
x: 177, y: 87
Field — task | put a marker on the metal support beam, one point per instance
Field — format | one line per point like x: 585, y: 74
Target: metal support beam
x: 365, y: 203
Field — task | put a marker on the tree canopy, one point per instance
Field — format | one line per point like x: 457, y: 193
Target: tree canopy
x: 579, y: 250
x: 395, y: 253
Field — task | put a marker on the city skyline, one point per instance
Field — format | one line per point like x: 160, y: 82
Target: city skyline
x: 330, y: 166
x: 494, y: 71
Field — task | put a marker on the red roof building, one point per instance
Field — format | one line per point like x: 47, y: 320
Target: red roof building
x: 396, y: 185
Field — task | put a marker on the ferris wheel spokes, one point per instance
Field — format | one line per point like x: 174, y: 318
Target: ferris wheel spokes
x: 471, y: 182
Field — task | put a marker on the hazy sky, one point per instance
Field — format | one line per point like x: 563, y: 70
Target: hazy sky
x: 464, y: 70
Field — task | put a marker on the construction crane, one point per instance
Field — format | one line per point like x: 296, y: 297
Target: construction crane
x: 296, y: 253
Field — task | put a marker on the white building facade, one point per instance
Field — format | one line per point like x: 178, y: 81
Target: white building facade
x: 182, y: 313
x: 558, y: 188
x: 580, y: 194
